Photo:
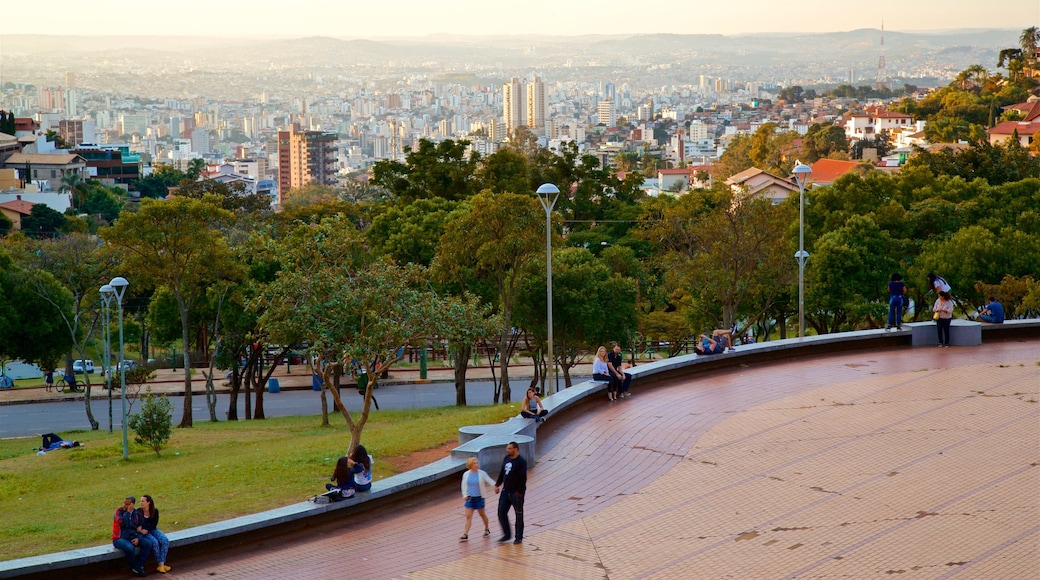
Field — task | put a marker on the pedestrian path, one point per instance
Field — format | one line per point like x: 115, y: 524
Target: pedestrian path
x: 904, y: 462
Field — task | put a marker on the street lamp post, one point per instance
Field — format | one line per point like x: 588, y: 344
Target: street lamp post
x: 119, y: 284
x: 801, y: 175
x: 544, y: 191
x: 107, y: 293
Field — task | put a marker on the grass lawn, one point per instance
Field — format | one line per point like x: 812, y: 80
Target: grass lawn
x: 214, y: 471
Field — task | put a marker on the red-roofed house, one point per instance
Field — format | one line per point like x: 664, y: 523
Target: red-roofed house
x: 1026, y: 131
x: 1029, y: 109
x: 15, y: 210
x: 760, y: 183
x: 827, y: 171
x: 874, y: 120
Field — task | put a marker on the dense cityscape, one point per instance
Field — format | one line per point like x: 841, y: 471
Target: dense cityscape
x: 221, y: 101
x: 758, y: 236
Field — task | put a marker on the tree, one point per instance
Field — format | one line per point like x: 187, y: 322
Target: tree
x: 824, y: 141
x: 176, y: 244
x: 442, y: 169
x: 153, y: 426
x: 43, y: 222
x: 354, y: 309
x: 195, y: 168
x: 158, y: 184
x: 846, y: 275
x: 729, y: 253
x: 72, y: 182
x: 410, y: 233
x: 81, y: 266
x: 486, y: 248
x: 31, y: 326
x: 591, y: 305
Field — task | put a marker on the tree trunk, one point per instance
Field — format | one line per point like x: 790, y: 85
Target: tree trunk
x: 503, y: 365
x: 461, y: 364
x: 186, y: 415
x: 211, y: 393
x: 86, y: 402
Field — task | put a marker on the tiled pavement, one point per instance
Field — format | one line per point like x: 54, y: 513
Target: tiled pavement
x: 903, y: 463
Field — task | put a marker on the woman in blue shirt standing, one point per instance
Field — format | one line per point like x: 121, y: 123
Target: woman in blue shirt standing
x: 476, y: 486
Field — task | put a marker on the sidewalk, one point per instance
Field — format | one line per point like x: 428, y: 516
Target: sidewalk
x: 295, y: 378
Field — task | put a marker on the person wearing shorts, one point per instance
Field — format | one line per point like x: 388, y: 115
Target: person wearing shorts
x: 476, y: 486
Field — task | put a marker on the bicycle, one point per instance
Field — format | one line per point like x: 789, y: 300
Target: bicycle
x: 61, y: 385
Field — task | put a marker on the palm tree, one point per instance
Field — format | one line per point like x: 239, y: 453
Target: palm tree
x: 1029, y: 40
x: 195, y: 168
x: 73, y: 182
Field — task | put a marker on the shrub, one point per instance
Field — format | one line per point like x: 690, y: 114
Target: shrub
x: 153, y: 426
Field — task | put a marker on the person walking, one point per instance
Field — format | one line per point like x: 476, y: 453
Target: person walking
x: 943, y: 309
x: 511, y: 486
x: 476, y: 484
x: 150, y: 531
x: 896, y: 296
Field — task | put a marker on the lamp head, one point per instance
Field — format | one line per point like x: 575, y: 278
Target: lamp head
x: 119, y: 285
x: 547, y: 189
x: 107, y: 293
x: 801, y: 172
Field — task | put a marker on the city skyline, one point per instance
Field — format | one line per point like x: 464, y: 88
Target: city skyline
x: 418, y: 18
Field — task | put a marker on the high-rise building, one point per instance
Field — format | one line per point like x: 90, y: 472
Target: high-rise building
x: 305, y: 157
x: 77, y: 131
x: 536, y: 106
x: 513, y: 101
x: 607, y: 114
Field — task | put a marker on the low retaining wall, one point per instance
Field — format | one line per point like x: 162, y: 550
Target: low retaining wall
x: 487, y: 442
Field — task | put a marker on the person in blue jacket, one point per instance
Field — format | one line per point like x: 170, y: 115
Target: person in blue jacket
x: 126, y: 538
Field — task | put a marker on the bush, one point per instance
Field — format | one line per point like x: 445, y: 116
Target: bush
x: 153, y: 426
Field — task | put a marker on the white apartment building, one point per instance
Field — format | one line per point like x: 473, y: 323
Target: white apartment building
x: 606, y: 113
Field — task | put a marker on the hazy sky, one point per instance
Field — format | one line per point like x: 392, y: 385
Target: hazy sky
x: 381, y: 18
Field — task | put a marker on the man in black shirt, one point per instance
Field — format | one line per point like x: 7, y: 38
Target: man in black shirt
x: 512, y: 480
x: 616, y: 361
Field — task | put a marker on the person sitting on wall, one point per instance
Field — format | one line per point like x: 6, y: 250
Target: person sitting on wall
x: 993, y: 312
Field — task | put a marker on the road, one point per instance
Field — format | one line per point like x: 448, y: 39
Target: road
x: 64, y: 416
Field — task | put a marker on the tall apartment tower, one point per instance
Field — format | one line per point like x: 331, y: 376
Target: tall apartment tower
x: 513, y: 105
x: 305, y: 157
x: 536, y: 106
x: 606, y: 113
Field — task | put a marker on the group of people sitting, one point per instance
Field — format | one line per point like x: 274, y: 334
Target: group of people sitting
x: 136, y: 533
x: 352, y: 474
x: 610, y: 367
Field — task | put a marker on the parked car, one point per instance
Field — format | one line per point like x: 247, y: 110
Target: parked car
x: 126, y: 365
x: 83, y: 366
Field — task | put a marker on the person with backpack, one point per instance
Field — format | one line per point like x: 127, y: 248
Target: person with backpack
x: 937, y: 283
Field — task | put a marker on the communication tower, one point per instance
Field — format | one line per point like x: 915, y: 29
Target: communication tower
x: 882, y: 75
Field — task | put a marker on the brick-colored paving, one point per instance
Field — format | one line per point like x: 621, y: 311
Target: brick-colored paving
x: 906, y: 463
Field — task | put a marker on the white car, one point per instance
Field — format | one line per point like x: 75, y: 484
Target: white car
x: 81, y: 366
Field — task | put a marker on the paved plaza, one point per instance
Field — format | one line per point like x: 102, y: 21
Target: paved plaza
x: 900, y: 463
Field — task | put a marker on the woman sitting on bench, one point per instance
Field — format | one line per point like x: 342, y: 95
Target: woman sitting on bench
x: 352, y: 474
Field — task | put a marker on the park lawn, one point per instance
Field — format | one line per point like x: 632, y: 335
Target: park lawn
x: 214, y: 471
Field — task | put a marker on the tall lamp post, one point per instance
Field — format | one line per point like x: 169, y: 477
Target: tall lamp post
x: 801, y: 175
x: 107, y: 293
x: 544, y: 192
x: 119, y: 285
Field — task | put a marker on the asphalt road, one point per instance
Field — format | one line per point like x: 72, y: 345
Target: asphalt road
x: 64, y: 416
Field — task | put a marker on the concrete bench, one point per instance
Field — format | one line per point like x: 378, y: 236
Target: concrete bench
x: 490, y: 450
x: 962, y: 333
